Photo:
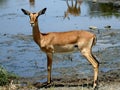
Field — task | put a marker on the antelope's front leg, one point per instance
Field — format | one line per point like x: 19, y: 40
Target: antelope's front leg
x: 49, y: 66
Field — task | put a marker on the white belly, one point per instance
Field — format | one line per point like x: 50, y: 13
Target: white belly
x: 65, y: 48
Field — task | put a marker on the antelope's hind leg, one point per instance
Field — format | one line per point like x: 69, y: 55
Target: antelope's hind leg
x: 88, y: 54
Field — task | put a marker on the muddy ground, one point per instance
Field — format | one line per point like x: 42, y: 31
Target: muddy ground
x: 106, y: 50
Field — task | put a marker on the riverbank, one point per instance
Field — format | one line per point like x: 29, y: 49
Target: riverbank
x: 109, y: 81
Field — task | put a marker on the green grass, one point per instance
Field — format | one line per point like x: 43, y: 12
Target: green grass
x: 5, y: 76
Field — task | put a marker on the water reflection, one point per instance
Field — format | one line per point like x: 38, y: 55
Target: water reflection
x: 106, y: 10
x: 73, y: 8
x: 32, y: 3
x: 101, y: 13
x: 2, y: 2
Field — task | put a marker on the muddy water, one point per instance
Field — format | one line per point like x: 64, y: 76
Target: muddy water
x: 20, y: 55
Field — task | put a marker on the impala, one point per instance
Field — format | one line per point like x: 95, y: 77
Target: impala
x: 61, y: 42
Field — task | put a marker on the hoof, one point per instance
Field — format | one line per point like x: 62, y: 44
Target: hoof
x: 40, y: 85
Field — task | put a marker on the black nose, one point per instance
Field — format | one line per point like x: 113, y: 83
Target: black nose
x: 32, y: 24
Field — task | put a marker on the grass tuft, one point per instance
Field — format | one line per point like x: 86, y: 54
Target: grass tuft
x: 5, y: 76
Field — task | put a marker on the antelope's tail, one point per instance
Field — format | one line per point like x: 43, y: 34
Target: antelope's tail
x: 94, y: 40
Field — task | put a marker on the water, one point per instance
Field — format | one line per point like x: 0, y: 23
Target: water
x: 13, y: 21
x: 20, y: 55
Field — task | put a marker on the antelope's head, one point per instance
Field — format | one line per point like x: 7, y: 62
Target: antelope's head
x: 33, y: 16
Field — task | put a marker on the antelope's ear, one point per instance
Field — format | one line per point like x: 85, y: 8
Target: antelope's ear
x: 25, y: 12
x: 42, y: 11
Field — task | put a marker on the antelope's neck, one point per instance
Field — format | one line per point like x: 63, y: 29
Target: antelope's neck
x: 36, y: 33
